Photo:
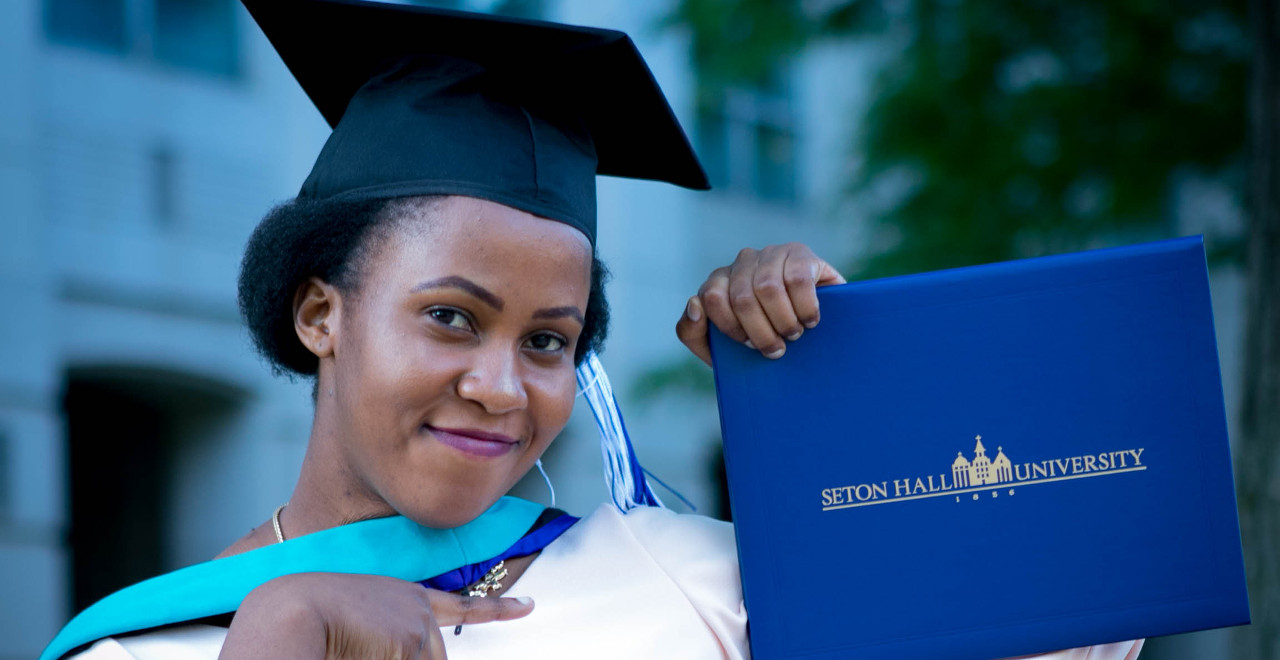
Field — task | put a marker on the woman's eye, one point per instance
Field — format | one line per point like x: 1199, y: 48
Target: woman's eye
x: 546, y: 343
x: 450, y: 317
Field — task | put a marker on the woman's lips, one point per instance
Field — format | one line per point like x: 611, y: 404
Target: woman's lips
x: 474, y: 442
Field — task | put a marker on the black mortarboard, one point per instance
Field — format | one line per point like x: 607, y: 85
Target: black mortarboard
x: 432, y: 101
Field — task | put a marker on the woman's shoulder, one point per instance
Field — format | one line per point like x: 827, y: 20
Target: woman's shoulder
x: 663, y: 531
x: 695, y: 552
x: 697, y: 556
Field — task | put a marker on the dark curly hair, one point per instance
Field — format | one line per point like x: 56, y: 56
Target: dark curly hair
x: 305, y: 238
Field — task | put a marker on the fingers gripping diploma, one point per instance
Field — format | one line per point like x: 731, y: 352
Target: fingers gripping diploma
x: 334, y: 615
x: 764, y: 299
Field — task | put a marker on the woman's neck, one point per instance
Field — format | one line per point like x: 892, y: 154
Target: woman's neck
x: 326, y: 495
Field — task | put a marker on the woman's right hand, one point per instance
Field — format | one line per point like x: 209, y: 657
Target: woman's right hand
x: 336, y: 615
x: 764, y: 299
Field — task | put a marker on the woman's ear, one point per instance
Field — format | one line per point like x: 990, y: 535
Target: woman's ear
x: 316, y: 309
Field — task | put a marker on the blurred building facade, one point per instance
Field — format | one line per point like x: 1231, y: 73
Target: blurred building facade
x: 141, y: 141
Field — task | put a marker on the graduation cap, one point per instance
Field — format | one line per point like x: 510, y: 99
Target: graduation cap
x: 432, y: 101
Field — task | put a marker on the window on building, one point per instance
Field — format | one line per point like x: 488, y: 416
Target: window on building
x: 97, y: 24
x: 198, y: 35
x: 439, y: 4
x: 164, y: 185
x: 515, y: 8
x: 6, y: 477
x: 520, y: 8
x: 746, y: 139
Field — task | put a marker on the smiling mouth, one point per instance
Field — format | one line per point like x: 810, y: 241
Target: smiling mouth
x: 474, y: 442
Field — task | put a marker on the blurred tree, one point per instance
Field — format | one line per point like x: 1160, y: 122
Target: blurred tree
x: 1004, y: 130
x: 1258, y: 454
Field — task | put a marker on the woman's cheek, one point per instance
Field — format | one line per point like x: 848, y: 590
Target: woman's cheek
x: 557, y: 394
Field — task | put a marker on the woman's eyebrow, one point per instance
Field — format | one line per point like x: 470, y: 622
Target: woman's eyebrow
x: 458, y: 282
x: 560, y: 312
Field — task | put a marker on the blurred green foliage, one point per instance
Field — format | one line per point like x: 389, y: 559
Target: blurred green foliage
x: 1003, y: 130
x: 686, y: 375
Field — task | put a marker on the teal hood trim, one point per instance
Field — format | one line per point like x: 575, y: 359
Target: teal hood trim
x: 393, y: 547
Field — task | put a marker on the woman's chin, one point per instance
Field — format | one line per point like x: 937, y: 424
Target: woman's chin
x: 448, y: 515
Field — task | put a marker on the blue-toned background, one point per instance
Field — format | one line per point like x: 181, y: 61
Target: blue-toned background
x: 141, y: 141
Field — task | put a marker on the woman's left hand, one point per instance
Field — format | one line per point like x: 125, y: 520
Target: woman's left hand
x: 764, y: 299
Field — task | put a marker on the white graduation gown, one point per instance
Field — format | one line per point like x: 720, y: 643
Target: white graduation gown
x: 647, y: 584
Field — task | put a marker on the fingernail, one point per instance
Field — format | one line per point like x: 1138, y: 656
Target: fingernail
x: 776, y: 354
x: 795, y: 335
x: 524, y: 600
x: 748, y: 344
x: 811, y: 323
x: 692, y: 310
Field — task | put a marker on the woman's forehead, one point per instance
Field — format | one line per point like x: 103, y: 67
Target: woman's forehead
x: 485, y: 238
x: 480, y: 221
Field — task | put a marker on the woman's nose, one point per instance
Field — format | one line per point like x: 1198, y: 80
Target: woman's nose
x: 495, y: 383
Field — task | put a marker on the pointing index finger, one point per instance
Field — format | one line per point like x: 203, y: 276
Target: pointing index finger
x: 455, y: 610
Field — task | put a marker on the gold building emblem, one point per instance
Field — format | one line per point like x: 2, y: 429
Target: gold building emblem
x: 981, y: 471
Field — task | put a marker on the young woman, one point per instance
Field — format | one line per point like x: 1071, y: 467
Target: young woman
x: 437, y: 278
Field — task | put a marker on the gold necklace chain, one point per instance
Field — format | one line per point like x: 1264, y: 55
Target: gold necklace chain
x: 275, y: 522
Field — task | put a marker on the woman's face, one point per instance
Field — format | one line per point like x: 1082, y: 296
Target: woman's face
x: 452, y: 369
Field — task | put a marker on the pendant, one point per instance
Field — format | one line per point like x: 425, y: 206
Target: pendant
x: 490, y: 582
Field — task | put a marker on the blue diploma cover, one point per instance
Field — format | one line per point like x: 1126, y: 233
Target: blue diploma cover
x: 988, y: 462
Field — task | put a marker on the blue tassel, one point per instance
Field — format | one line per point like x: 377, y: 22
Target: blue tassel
x: 623, y: 475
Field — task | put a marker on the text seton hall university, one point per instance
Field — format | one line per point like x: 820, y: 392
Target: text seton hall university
x: 1057, y: 469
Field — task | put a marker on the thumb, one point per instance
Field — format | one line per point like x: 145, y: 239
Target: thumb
x: 692, y: 329
x: 826, y: 275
